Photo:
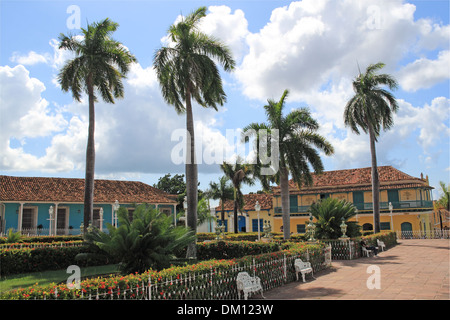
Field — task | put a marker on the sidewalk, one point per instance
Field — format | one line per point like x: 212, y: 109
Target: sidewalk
x: 413, y: 269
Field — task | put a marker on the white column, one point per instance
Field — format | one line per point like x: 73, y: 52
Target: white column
x: 56, y: 220
x: 19, y: 227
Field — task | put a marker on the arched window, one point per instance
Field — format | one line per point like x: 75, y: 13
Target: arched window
x: 367, y: 226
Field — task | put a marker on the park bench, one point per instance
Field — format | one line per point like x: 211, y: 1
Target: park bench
x: 381, y: 245
x: 248, y: 284
x: 303, y: 268
x: 367, y: 252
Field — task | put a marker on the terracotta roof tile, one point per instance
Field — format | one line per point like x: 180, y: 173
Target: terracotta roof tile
x: 265, y: 201
x: 72, y: 190
x: 360, y: 179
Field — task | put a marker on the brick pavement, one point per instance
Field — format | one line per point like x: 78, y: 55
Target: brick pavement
x: 413, y: 269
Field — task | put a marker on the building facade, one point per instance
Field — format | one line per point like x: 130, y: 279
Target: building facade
x: 249, y: 218
x: 405, y: 201
x: 55, y: 206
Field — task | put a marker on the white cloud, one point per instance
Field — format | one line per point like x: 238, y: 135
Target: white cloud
x: 424, y: 73
x: 430, y: 120
x: 24, y: 115
x: 31, y: 58
x: 303, y: 47
x: 231, y: 28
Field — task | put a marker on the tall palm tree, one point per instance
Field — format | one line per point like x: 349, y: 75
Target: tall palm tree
x: 98, y: 68
x: 298, y: 140
x: 238, y: 173
x: 372, y: 108
x: 222, y: 191
x: 186, y: 70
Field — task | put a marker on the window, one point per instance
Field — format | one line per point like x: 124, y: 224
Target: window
x: 367, y: 227
x: 28, y: 218
x: 130, y: 213
x: 61, y: 221
x: 385, y: 226
x: 301, y: 228
x: 255, y: 225
x: 166, y: 211
x: 358, y: 200
x: 293, y: 203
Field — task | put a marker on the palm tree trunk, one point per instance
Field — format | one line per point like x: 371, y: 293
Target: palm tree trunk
x: 191, y: 176
x: 222, y: 216
x: 235, y: 210
x: 90, y: 162
x: 284, y: 186
x: 375, y: 183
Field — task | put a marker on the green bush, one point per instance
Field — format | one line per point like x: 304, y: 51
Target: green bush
x: 149, y: 240
x: 389, y: 239
x: 46, y: 239
x: 14, y: 261
x: 233, y: 249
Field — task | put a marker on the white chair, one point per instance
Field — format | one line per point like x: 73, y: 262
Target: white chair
x: 366, y: 252
x: 248, y: 284
x: 303, y: 268
x: 381, y: 245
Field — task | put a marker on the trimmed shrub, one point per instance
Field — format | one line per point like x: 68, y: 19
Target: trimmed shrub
x: 14, y: 261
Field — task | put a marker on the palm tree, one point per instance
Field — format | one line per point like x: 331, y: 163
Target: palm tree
x: 222, y: 191
x: 148, y: 240
x: 372, y: 108
x: 186, y: 71
x: 238, y: 173
x: 99, y: 66
x: 329, y: 214
x: 298, y: 140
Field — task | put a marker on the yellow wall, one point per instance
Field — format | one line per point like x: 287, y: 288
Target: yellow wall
x: 417, y: 221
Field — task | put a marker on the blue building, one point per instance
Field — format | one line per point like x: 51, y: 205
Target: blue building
x: 54, y: 206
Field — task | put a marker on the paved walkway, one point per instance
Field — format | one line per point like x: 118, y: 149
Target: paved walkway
x: 413, y: 269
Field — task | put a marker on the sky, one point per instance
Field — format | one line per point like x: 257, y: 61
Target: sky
x: 313, y: 48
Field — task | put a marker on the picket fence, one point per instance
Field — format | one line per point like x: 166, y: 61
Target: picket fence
x: 424, y: 234
x: 213, y: 284
x: 344, y: 250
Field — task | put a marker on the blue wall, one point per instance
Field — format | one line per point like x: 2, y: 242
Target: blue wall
x: 75, y: 215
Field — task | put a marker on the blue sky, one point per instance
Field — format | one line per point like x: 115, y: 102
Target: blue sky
x: 312, y: 48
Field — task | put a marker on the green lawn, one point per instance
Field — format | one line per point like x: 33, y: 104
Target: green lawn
x: 46, y: 277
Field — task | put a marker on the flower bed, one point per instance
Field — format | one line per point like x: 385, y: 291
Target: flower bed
x: 212, y: 279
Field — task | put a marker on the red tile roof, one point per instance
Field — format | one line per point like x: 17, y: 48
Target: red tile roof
x: 357, y: 179
x: 265, y: 201
x: 72, y: 190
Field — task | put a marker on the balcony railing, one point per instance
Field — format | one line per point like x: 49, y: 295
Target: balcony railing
x: 410, y: 204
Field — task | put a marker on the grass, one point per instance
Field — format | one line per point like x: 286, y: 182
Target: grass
x: 56, y: 276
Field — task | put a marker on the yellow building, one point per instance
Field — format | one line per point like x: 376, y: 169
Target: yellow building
x: 249, y: 217
x: 410, y: 199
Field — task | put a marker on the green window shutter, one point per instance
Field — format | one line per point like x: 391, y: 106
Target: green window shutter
x: 293, y: 203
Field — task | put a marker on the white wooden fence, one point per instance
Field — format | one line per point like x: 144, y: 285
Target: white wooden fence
x: 213, y: 284
x: 424, y: 234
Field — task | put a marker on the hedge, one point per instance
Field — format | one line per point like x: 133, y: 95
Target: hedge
x: 233, y: 249
x: 14, y: 261
x: 25, y: 239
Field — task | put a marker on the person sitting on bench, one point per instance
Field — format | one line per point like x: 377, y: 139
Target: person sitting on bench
x: 371, y: 248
